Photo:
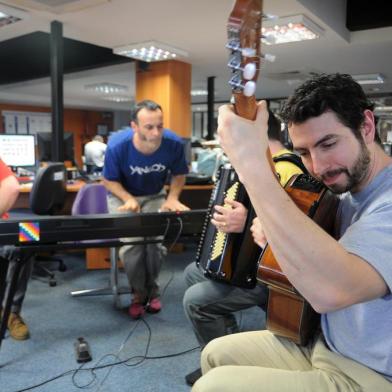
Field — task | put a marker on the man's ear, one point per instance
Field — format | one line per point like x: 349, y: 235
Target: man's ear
x: 368, y: 128
x: 133, y: 124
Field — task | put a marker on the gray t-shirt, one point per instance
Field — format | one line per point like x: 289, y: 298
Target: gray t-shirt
x: 363, y: 332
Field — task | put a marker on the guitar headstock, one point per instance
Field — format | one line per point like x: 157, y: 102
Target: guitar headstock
x: 244, y: 35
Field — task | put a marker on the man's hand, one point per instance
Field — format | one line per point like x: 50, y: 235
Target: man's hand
x: 173, y: 205
x: 244, y: 141
x: 130, y: 205
x: 258, y: 233
x: 230, y: 218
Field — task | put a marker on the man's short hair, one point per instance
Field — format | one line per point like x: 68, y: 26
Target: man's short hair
x: 146, y: 104
x: 338, y: 93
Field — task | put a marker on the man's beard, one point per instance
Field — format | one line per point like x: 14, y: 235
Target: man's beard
x: 153, y: 143
x: 355, y: 175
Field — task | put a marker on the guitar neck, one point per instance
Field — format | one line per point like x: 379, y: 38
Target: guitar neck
x: 244, y: 34
x: 245, y: 107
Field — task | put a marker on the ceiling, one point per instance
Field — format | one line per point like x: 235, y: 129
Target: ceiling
x: 197, y: 27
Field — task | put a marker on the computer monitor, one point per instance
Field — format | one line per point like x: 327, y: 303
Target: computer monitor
x: 44, y: 146
x: 187, y: 149
x: 17, y: 150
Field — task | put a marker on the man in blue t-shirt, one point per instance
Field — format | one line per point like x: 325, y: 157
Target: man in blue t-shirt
x: 137, y: 163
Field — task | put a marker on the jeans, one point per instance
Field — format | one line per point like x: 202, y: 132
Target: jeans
x: 142, y: 263
x: 209, y: 305
x: 11, y: 253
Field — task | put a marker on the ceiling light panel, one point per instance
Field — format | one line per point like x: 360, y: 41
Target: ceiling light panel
x: 363, y: 79
x: 114, y: 98
x: 106, y: 88
x: 10, y: 15
x: 290, y: 29
x: 150, y: 51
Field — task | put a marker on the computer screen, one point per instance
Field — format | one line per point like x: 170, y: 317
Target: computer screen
x: 187, y: 149
x: 17, y: 150
x: 44, y: 146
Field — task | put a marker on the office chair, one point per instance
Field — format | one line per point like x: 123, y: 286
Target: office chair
x: 47, y: 197
x: 92, y: 199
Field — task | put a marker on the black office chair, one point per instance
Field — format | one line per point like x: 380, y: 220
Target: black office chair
x: 47, y: 197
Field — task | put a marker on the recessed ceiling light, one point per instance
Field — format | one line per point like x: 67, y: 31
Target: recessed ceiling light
x: 9, y: 15
x: 197, y: 93
x: 290, y: 29
x: 150, y: 51
x: 369, y: 78
x: 106, y: 88
x: 117, y: 98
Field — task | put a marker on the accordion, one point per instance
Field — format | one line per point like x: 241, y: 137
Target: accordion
x: 228, y: 257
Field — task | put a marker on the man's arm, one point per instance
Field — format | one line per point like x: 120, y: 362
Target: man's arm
x: 130, y: 202
x: 172, y: 202
x: 9, y: 191
x: 327, y: 275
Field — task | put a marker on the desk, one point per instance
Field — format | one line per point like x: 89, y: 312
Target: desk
x: 194, y: 196
x: 72, y: 188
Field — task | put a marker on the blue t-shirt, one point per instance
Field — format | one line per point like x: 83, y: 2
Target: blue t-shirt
x: 142, y: 174
x: 362, y: 331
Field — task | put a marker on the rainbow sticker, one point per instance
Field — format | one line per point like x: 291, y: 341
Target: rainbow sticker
x: 28, y: 231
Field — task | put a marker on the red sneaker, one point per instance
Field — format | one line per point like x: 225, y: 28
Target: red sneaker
x: 154, y: 306
x: 136, y: 310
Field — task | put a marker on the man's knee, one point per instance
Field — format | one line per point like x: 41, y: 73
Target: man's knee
x: 191, y: 274
x: 210, y: 354
x: 192, y: 299
x: 214, y: 380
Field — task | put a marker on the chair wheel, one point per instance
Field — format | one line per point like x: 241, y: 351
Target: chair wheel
x: 52, y: 283
x: 62, y: 267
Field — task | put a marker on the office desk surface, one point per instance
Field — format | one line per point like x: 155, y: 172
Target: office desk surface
x: 195, y: 196
x: 72, y: 186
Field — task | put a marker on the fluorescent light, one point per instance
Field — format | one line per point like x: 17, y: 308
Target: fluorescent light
x: 117, y: 98
x: 369, y: 78
x: 383, y: 109
x: 106, y: 88
x: 290, y: 29
x: 150, y: 51
x: 9, y: 15
x: 197, y: 93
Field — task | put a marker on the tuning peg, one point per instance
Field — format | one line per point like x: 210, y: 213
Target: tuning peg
x: 234, y: 44
x: 268, y: 57
x: 249, y: 71
x: 270, y: 17
x: 249, y: 88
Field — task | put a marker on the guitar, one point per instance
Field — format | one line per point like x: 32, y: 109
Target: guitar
x: 288, y: 313
x: 244, y: 35
x: 233, y: 257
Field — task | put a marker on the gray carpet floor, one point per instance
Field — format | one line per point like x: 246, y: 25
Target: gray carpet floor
x: 153, y: 354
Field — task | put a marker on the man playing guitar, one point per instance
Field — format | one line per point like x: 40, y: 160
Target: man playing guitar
x: 348, y: 281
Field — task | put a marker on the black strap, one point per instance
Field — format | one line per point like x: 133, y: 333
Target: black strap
x: 294, y: 159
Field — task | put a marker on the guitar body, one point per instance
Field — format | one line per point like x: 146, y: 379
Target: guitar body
x: 288, y: 313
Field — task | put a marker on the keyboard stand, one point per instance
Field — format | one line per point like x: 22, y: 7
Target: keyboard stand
x: 113, y: 288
